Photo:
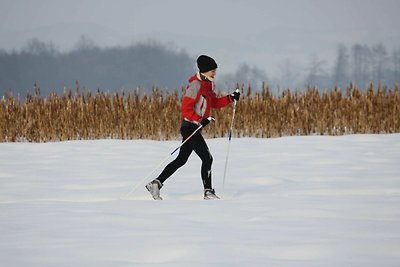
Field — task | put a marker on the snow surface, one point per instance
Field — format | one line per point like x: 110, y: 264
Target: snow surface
x: 293, y: 201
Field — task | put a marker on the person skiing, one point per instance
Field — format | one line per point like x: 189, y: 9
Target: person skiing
x: 198, y: 99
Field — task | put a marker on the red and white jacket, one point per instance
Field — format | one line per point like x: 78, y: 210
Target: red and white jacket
x: 199, y: 98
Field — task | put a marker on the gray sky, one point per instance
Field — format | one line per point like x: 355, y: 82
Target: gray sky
x: 260, y: 33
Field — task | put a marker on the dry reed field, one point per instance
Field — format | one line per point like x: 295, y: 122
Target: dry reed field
x: 81, y: 114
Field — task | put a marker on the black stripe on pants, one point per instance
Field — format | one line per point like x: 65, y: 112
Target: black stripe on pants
x: 197, y: 144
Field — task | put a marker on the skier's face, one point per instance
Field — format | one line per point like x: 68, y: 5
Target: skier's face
x: 211, y: 73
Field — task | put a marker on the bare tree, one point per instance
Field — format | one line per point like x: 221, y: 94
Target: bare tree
x: 289, y: 74
x: 396, y: 66
x: 317, y: 76
x: 341, y: 68
x: 361, y: 64
x: 244, y: 75
x: 379, y: 63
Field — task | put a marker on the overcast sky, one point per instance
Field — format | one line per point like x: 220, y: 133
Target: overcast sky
x: 260, y: 33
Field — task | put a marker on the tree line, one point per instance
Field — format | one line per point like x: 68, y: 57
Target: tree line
x: 359, y: 65
x: 41, y: 65
x: 148, y: 65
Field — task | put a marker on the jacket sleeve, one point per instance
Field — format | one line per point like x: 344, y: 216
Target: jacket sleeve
x: 219, y: 102
x: 189, y: 100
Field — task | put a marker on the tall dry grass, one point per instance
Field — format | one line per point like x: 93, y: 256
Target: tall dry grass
x: 132, y: 115
x: 374, y: 110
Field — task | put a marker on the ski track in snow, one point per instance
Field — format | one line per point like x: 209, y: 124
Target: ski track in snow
x: 292, y: 201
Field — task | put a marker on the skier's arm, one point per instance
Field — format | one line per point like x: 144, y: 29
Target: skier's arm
x: 220, y: 102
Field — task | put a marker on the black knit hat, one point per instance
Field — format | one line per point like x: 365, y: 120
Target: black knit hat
x: 206, y: 63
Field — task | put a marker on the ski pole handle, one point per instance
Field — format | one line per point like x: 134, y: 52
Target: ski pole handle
x: 237, y: 91
x: 235, y: 96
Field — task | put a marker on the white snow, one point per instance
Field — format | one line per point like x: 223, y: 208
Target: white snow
x: 292, y: 201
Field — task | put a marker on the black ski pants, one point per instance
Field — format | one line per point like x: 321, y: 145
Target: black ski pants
x: 197, y: 144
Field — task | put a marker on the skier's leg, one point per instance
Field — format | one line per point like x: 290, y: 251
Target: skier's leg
x: 181, y: 159
x: 201, y: 149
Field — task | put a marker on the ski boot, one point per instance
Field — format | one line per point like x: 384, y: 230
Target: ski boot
x: 154, y: 188
x: 210, y: 194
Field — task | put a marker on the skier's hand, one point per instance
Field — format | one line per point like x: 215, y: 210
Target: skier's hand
x: 234, y: 96
x: 206, y: 121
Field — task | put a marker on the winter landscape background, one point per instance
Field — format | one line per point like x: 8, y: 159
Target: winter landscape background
x: 289, y: 201
x: 293, y: 201
x: 151, y: 64
x: 129, y: 44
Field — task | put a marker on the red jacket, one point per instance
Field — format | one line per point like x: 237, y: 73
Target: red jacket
x: 199, y: 98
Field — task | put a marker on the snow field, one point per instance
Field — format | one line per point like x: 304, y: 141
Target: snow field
x: 292, y: 201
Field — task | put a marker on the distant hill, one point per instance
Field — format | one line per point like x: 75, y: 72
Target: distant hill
x: 141, y: 65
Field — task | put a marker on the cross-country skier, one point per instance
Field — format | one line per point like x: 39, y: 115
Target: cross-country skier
x: 197, y: 102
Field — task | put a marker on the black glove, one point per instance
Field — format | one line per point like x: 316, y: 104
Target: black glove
x: 206, y: 121
x: 234, y: 96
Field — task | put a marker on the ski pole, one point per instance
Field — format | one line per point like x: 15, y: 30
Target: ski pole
x: 229, y: 144
x: 165, y: 159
